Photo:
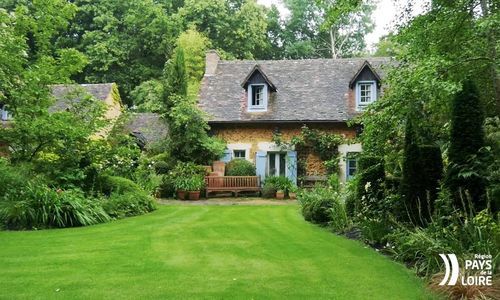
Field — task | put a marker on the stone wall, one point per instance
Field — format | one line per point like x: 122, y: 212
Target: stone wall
x: 258, y: 137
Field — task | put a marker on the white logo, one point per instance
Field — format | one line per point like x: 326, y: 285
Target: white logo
x: 455, y: 269
x: 481, y: 266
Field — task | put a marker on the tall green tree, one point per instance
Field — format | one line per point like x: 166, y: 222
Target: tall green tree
x: 126, y: 42
x: 466, y: 139
x: 439, y: 49
x: 347, y: 23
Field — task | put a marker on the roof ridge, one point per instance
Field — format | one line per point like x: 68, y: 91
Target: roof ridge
x: 249, y: 61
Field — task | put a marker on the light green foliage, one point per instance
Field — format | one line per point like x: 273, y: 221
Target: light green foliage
x: 42, y: 207
x: 189, y: 140
x: 279, y: 183
x: 56, y: 142
x: 121, y: 205
x: 194, y: 45
x: 27, y: 33
x: 147, y: 97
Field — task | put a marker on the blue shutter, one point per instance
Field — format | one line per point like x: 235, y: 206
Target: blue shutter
x: 292, y: 166
x: 227, y: 156
x: 260, y: 164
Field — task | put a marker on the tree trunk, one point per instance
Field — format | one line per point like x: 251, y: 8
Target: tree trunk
x: 332, y: 42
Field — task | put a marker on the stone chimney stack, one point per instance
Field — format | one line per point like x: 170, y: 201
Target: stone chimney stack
x: 211, y: 60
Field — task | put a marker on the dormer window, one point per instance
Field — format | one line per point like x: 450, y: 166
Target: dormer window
x: 258, y: 87
x: 365, y: 84
x: 257, y: 97
x: 366, y: 93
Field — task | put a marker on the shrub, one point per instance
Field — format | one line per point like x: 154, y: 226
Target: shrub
x: 268, y: 190
x: 10, y: 178
x: 128, y: 204
x: 167, y: 187
x: 324, y: 207
x: 279, y: 182
x: 369, y: 190
x: 42, y: 207
x: 162, y: 167
x: 113, y: 184
x: 240, y: 167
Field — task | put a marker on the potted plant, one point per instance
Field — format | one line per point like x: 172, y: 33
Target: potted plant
x: 292, y: 192
x: 280, y: 194
x: 194, y: 186
x: 181, y: 185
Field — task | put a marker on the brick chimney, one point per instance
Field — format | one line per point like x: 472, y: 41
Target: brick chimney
x: 211, y: 60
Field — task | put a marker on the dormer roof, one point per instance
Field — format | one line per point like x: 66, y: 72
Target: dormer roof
x: 365, y: 67
x: 258, y: 70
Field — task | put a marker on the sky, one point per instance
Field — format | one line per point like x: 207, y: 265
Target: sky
x: 384, y: 16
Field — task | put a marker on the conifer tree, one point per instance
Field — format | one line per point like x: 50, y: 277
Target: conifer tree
x: 466, y: 138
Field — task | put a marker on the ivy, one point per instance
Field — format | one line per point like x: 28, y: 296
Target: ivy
x: 325, y: 145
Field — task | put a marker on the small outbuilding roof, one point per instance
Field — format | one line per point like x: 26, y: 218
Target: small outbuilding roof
x: 65, y: 94
x: 147, y: 127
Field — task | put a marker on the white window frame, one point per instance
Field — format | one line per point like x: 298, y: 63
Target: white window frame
x: 244, y: 152
x: 277, y: 163
x: 362, y: 106
x: 263, y: 106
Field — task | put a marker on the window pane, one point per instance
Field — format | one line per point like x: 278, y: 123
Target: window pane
x: 239, y: 153
x: 272, y: 164
x: 351, y: 167
x: 257, y: 95
x: 282, y: 164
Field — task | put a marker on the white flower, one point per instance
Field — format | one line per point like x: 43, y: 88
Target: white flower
x: 367, y: 186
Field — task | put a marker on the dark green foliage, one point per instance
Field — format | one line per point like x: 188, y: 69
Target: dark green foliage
x: 37, y: 206
x: 268, y: 190
x: 240, y: 167
x: 114, y: 184
x: 167, y: 187
x: 121, y: 205
x: 162, y: 167
x: 466, y: 138
x: 414, y: 208
x: 370, y: 182
x: 432, y: 170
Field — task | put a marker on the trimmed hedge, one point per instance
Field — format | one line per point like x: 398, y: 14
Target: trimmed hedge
x: 240, y: 167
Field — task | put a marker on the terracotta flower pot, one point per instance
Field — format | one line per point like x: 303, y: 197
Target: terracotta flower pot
x: 292, y: 196
x: 194, y: 195
x: 181, y: 195
x: 280, y: 195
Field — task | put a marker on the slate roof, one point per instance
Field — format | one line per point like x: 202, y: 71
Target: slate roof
x: 63, y: 93
x: 307, y: 90
x: 147, y: 125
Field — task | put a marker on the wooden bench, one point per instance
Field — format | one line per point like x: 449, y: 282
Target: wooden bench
x: 233, y: 184
x: 310, y: 181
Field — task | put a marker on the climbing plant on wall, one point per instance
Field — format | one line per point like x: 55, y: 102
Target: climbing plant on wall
x: 325, y: 145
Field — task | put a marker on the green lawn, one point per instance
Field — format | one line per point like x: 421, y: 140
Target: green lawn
x: 228, y: 252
